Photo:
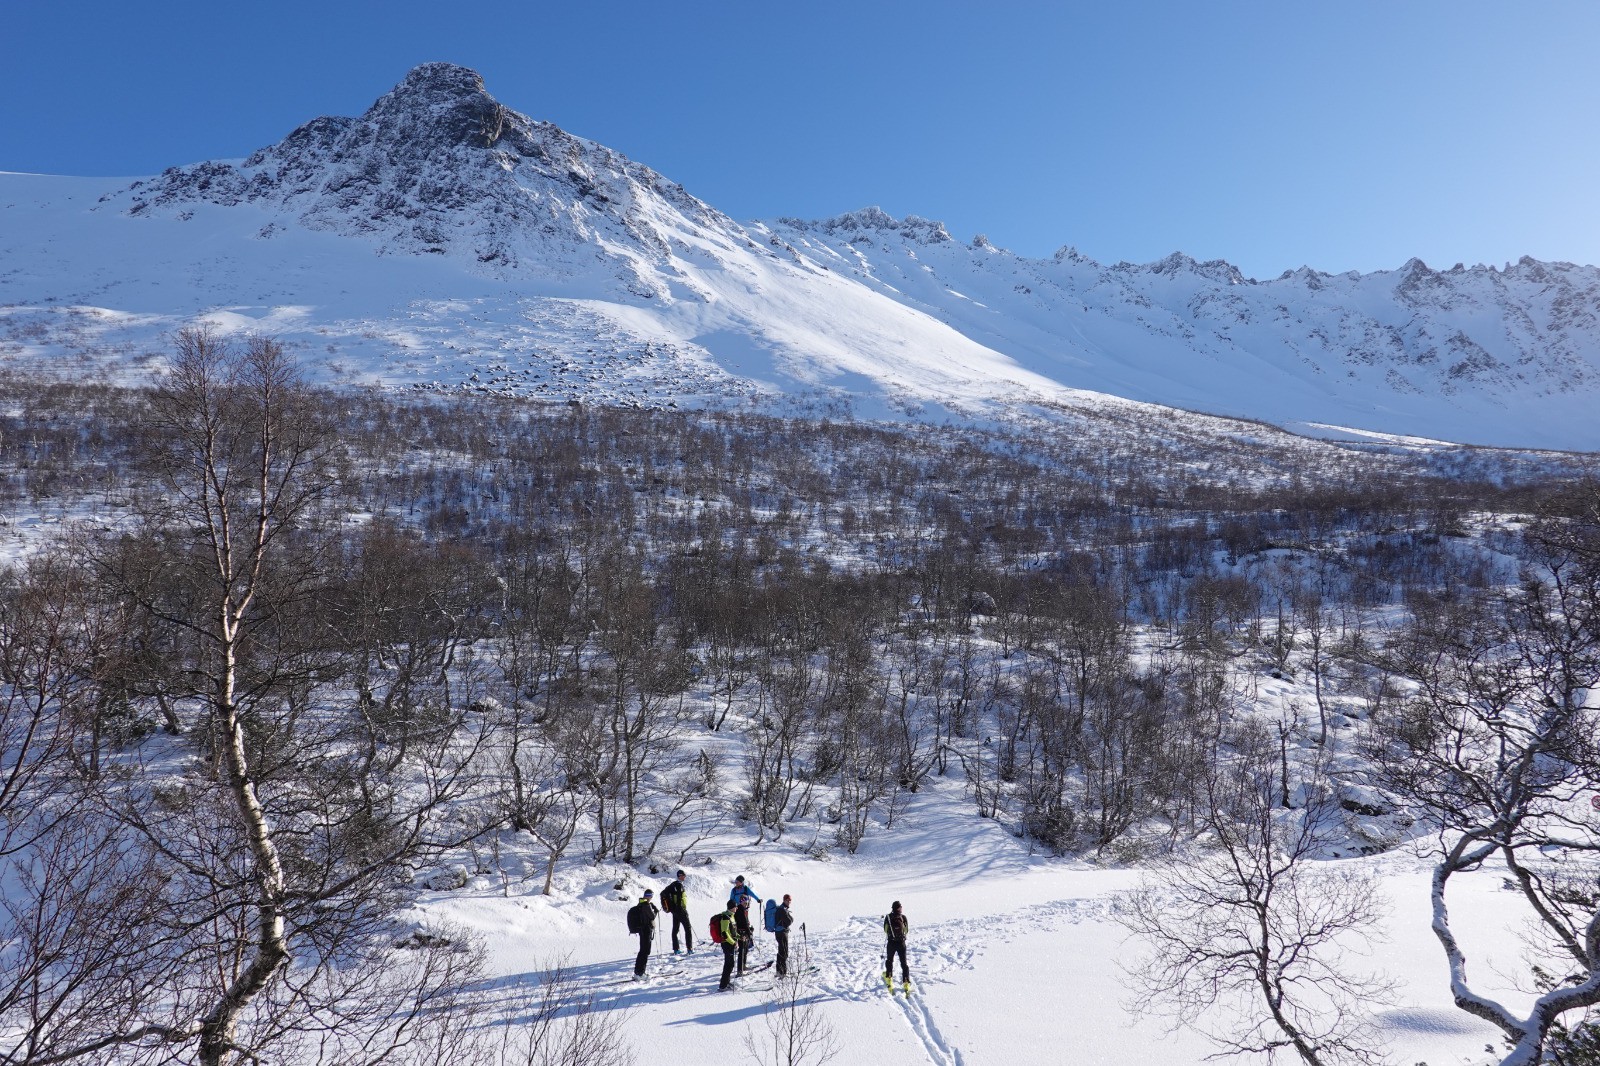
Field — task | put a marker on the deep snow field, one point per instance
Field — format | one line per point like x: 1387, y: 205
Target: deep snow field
x: 1014, y: 956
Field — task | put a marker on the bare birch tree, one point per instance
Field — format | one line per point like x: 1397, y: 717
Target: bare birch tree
x: 565, y: 1025
x: 78, y: 887
x: 1248, y: 941
x: 279, y: 851
x: 1499, y: 750
x: 793, y: 1030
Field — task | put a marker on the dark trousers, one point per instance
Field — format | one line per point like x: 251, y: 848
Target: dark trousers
x: 644, y: 953
x: 896, y: 947
x: 680, y: 920
x: 727, y: 965
x: 744, y: 953
x: 782, y: 965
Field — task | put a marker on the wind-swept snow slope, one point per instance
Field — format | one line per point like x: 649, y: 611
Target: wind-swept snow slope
x: 442, y: 239
x: 1480, y: 355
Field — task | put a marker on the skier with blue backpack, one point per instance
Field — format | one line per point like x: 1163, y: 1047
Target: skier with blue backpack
x: 778, y: 921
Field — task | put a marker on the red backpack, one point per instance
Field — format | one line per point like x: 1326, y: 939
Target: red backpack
x: 716, y: 928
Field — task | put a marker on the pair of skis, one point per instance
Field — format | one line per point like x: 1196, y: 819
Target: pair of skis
x: 739, y: 979
x: 641, y: 979
x: 768, y: 986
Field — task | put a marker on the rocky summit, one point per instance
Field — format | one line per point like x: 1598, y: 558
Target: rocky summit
x: 438, y: 165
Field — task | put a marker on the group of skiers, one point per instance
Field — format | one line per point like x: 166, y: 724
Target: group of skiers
x: 732, y: 930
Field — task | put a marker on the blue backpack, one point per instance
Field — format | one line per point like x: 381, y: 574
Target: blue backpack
x: 771, y: 916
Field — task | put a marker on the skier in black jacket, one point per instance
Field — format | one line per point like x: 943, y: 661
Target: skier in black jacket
x: 747, y: 932
x: 676, y: 901
x: 781, y: 921
x: 642, y: 922
x: 895, y: 928
x: 744, y: 894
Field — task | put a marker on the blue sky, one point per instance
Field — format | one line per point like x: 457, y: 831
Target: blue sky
x: 1348, y: 135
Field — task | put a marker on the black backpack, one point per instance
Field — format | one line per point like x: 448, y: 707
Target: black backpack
x: 638, y: 917
x: 672, y: 896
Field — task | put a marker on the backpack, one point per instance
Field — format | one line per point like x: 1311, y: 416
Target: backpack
x: 637, y: 922
x: 770, y: 919
x: 895, y: 925
x: 672, y: 896
x: 716, y: 928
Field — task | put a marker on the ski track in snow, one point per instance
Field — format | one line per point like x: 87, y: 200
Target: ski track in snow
x: 849, y: 966
x: 921, y: 1021
x: 934, y: 950
x: 849, y: 960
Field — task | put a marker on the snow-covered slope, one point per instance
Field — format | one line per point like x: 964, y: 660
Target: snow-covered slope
x: 1486, y: 355
x: 442, y: 239
x: 1014, y: 957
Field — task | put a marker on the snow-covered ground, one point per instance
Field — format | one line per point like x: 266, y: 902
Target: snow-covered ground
x: 1014, y: 955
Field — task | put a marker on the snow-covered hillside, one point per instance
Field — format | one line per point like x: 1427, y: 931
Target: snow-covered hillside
x: 1476, y: 354
x: 442, y: 239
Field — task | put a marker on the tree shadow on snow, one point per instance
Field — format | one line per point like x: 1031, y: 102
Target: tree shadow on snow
x: 514, y: 999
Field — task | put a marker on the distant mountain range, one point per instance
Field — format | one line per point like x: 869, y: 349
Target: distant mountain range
x: 442, y: 240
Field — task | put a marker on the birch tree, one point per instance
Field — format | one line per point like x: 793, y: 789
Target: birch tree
x: 1248, y: 939
x: 279, y: 850
x: 1500, y: 751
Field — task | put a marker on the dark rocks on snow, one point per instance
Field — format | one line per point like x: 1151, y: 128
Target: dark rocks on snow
x: 438, y: 164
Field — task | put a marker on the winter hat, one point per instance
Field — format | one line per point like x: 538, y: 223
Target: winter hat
x: 739, y: 880
x: 681, y: 874
x: 648, y: 893
x: 732, y: 903
x: 896, y: 906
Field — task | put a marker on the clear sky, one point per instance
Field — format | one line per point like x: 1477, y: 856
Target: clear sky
x: 1273, y: 134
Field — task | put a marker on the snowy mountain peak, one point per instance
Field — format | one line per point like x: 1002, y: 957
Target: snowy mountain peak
x: 441, y: 104
x: 438, y: 166
x: 871, y: 220
x: 437, y: 83
x: 1214, y: 269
